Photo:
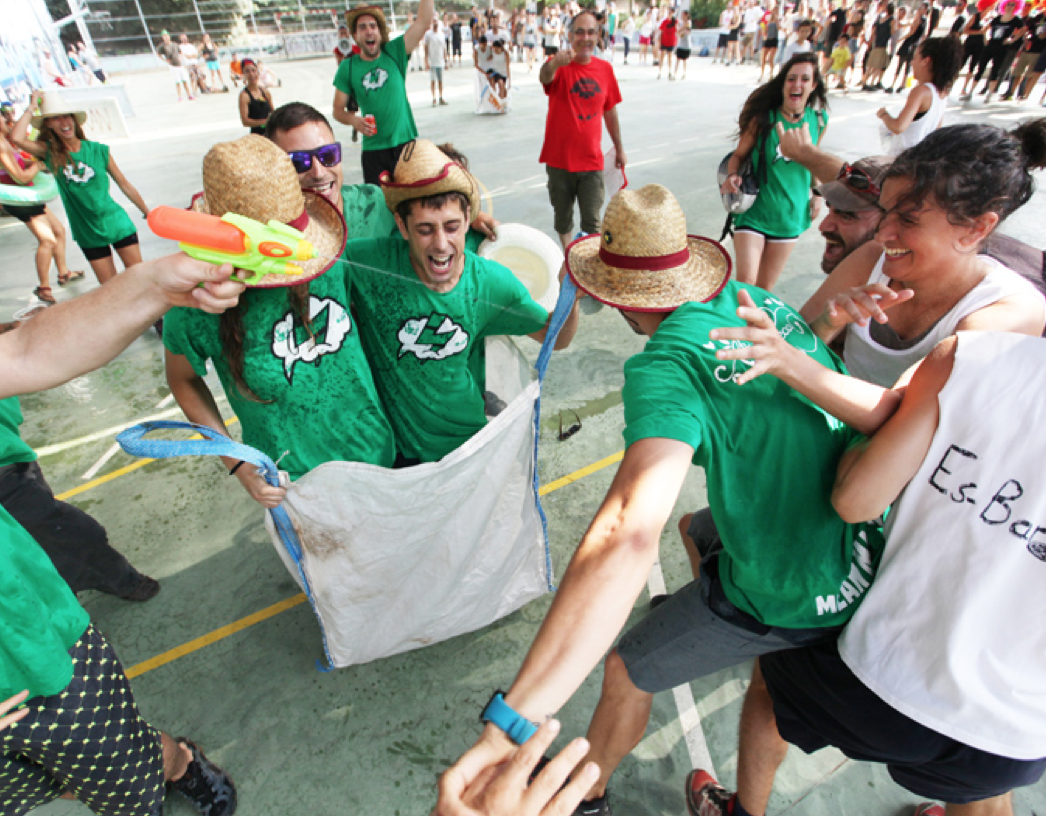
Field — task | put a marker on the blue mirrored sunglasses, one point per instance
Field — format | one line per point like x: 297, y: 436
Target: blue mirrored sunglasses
x: 328, y: 155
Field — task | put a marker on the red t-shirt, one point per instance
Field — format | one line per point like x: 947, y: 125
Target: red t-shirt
x: 578, y: 96
x: 669, y: 33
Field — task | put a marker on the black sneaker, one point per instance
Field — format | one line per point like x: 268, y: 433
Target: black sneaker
x: 146, y: 589
x: 705, y: 796
x: 205, y: 785
x: 600, y: 806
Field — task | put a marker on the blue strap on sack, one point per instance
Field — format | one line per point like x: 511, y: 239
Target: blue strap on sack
x: 214, y: 443
x: 564, y: 304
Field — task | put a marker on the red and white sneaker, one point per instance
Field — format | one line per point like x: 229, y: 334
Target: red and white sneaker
x: 706, y: 797
x: 929, y: 809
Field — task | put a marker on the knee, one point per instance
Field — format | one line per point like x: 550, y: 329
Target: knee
x: 615, y: 674
x: 48, y: 242
x: 684, y: 526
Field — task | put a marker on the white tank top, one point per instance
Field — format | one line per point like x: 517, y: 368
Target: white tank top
x: 894, y: 144
x: 951, y: 631
x: 869, y: 361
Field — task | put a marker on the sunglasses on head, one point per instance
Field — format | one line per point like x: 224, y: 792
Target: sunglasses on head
x: 328, y: 155
x: 858, y: 180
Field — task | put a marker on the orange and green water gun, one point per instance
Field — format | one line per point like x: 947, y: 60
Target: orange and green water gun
x: 264, y: 249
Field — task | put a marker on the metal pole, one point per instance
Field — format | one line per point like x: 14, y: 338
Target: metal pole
x: 145, y: 27
x: 199, y: 19
x: 301, y: 8
x: 81, y: 25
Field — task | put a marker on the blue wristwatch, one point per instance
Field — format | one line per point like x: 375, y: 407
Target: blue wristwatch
x: 516, y: 727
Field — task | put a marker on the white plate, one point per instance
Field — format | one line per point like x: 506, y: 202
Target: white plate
x: 532, y: 256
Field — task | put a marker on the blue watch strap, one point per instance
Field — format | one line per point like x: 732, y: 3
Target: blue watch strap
x: 516, y: 727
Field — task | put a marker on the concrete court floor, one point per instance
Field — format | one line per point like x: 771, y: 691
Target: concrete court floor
x: 374, y: 738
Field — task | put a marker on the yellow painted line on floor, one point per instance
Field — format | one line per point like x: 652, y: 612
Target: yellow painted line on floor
x: 271, y: 611
x: 581, y: 474
x: 215, y: 636
x: 116, y: 474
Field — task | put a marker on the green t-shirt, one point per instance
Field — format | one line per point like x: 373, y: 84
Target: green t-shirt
x: 782, y: 208
x: 366, y: 215
x: 421, y: 344
x: 40, y: 618
x: 321, y: 403
x: 770, y: 459
x: 94, y: 217
x: 380, y: 90
x: 12, y: 447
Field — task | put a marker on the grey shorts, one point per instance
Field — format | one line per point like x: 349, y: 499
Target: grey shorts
x: 697, y: 631
x: 586, y: 188
x: 436, y: 73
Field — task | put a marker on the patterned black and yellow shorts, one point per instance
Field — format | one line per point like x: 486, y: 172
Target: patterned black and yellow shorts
x: 89, y: 741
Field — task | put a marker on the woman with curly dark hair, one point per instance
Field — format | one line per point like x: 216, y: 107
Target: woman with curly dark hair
x: 935, y: 67
x: 921, y: 279
x: 765, y: 235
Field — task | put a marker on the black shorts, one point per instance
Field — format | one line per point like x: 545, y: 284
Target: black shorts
x: 24, y: 213
x: 733, y: 35
x: 89, y: 740
x: 683, y: 54
x: 770, y: 42
x: 97, y: 253
x: 551, y: 50
x: 819, y: 702
x: 668, y: 49
x: 457, y: 49
x: 723, y: 40
x: 375, y: 162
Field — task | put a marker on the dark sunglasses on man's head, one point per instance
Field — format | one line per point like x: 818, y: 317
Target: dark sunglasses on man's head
x: 858, y: 180
x: 328, y: 155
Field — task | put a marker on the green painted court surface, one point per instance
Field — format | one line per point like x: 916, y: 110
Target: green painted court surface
x: 373, y: 738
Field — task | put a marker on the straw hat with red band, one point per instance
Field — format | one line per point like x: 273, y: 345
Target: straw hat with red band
x: 254, y: 178
x: 424, y: 170
x: 372, y: 11
x: 644, y: 261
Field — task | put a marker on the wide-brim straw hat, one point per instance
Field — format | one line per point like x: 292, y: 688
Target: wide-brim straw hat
x: 374, y: 11
x: 424, y: 170
x: 644, y: 260
x: 254, y: 178
x: 53, y: 104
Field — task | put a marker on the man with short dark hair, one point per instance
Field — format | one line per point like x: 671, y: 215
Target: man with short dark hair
x: 376, y: 79
x: 582, y: 94
x: 424, y: 341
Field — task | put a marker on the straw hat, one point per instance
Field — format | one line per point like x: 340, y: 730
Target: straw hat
x: 644, y: 261
x: 424, y: 170
x: 254, y: 178
x: 374, y: 11
x: 53, y: 104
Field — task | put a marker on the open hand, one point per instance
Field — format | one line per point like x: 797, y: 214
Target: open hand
x: 471, y: 789
x: 863, y: 302
x: 768, y: 350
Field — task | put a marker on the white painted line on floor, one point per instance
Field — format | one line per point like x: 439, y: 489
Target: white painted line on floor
x: 92, y: 471
x: 689, y: 719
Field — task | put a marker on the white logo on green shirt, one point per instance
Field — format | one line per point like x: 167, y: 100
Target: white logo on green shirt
x: 327, y: 340
x: 435, y: 337
x: 372, y: 80
x: 779, y: 156
x: 81, y: 175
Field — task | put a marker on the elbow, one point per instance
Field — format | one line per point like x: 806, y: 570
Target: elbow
x: 851, y: 505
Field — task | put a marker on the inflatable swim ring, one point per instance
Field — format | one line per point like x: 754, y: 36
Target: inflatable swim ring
x: 43, y: 189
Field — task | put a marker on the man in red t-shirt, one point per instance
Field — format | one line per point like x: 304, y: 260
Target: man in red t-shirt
x: 582, y: 94
x: 669, y: 39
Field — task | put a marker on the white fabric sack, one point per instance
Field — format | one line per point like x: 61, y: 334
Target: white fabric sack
x: 487, y: 101
x: 397, y: 559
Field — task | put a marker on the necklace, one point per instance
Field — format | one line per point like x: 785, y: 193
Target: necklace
x: 791, y: 117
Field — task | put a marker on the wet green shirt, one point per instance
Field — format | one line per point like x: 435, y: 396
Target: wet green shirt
x: 782, y: 208
x: 321, y: 403
x: 770, y: 459
x: 380, y: 90
x: 366, y: 215
x: 40, y: 618
x: 421, y: 343
x: 12, y: 447
x: 94, y: 217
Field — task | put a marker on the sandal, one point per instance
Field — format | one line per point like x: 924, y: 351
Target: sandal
x: 70, y: 278
x: 44, y: 293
